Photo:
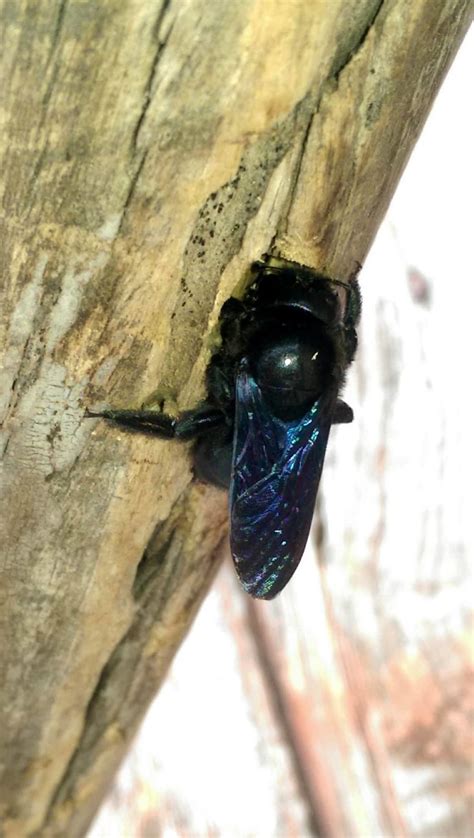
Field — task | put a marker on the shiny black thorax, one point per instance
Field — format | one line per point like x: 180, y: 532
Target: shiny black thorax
x: 296, y: 330
x: 273, y: 386
x: 291, y: 327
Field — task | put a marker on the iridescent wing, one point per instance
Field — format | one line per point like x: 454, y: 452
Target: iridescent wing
x: 276, y: 469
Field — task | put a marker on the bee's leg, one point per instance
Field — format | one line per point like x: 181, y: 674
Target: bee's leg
x: 213, y: 457
x: 343, y: 414
x: 213, y: 451
x: 190, y: 424
x: 199, y: 421
x: 143, y: 421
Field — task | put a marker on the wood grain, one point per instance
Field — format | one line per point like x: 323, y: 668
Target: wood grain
x: 151, y: 151
x: 345, y: 707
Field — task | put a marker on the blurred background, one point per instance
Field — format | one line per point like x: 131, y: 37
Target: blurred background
x: 343, y: 706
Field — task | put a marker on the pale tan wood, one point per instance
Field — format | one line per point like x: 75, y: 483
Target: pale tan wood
x: 150, y: 152
x: 345, y: 706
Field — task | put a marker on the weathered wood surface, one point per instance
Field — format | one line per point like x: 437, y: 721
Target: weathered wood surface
x: 150, y: 152
x: 347, y: 704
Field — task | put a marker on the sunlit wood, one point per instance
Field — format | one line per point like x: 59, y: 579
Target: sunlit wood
x: 150, y: 152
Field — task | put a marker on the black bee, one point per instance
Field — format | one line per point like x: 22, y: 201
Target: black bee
x: 272, y: 396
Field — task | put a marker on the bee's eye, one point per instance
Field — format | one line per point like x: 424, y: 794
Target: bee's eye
x: 292, y: 371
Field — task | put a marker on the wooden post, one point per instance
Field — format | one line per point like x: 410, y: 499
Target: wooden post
x: 150, y: 152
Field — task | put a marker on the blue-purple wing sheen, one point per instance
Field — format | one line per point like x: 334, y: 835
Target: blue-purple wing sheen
x: 276, y: 469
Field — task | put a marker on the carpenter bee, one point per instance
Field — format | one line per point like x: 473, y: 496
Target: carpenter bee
x: 272, y: 395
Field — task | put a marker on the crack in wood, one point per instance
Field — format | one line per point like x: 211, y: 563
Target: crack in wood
x: 149, y: 566
x: 156, y: 579
x: 103, y: 707
x: 341, y: 65
x: 131, y: 189
x: 147, y: 99
x: 58, y: 27
x: 147, y: 93
x: 55, y: 37
x: 296, y: 173
x: 314, y: 99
